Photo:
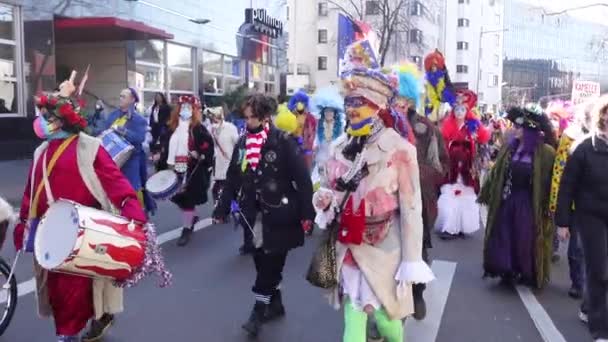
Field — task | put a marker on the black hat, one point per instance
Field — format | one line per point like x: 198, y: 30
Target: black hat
x: 530, y: 116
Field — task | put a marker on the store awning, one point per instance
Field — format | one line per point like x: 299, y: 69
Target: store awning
x: 95, y: 29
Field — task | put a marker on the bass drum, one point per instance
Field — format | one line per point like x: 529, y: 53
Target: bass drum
x: 76, y: 239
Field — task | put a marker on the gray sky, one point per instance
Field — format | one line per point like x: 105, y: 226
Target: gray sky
x: 594, y: 13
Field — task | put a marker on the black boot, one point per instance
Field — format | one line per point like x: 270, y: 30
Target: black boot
x: 275, y: 308
x: 373, y: 334
x: 253, y: 325
x: 184, y: 238
x: 419, y: 303
x: 98, y: 328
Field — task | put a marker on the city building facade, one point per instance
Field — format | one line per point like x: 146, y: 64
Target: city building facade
x: 473, y: 51
x: 314, y: 34
x: 189, y: 47
x: 544, y: 55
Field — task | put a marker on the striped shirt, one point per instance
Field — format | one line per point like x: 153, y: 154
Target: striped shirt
x: 253, y: 147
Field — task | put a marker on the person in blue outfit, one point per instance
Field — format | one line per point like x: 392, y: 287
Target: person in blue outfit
x: 131, y: 125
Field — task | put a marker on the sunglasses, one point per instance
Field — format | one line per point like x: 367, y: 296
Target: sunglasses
x: 358, y: 102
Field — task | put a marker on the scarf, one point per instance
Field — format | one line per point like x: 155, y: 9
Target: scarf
x: 253, y: 145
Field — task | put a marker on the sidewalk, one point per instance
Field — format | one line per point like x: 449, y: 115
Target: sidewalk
x: 13, y: 175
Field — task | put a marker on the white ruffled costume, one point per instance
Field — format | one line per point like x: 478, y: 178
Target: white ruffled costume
x: 458, y: 210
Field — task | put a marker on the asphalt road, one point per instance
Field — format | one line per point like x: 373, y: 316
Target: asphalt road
x: 210, y: 299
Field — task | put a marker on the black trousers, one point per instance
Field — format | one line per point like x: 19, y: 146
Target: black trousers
x: 593, y: 232
x: 269, y: 268
x: 418, y: 289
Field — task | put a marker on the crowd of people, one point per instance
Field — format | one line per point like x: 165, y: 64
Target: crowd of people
x: 376, y: 165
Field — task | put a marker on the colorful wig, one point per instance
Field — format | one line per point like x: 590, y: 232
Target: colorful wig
x: 324, y: 98
x: 286, y: 120
x: 410, y: 82
x: 298, y: 97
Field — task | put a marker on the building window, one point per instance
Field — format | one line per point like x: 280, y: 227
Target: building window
x: 180, y: 69
x: 287, y: 14
x: 322, y: 63
x: 462, y: 45
x: 322, y: 36
x: 497, y: 40
x: 213, y: 68
x: 480, y: 96
x: 323, y: 9
x: 462, y: 69
x: 497, y: 19
x: 496, y: 60
x: 415, y: 36
x: 463, y: 22
x: 149, y: 69
x: 417, y: 9
x: 10, y: 62
x: 464, y: 1
x: 372, y: 7
x: 493, y: 80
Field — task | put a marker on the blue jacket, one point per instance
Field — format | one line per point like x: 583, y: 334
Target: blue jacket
x: 135, y: 133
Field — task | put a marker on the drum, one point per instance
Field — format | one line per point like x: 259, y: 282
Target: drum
x: 75, y: 239
x: 119, y: 149
x: 163, y: 185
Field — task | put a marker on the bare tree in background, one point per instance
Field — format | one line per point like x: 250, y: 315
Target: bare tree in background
x: 388, y: 18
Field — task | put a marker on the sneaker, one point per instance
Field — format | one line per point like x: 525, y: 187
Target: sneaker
x: 583, y: 317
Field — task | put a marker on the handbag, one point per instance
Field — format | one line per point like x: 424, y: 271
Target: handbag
x: 323, y: 269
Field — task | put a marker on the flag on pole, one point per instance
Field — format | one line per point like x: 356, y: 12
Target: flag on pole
x: 350, y: 31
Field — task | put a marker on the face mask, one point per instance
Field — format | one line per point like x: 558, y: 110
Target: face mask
x: 185, y: 112
x: 45, y: 130
x: 460, y: 112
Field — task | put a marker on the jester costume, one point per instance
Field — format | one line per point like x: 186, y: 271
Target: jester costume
x: 438, y: 87
x: 373, y: 172
x: 307, y: 124
x: 87, y: 175
x: 463, y: 132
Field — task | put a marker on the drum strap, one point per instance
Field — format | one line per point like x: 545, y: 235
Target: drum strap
x: 56, y: 155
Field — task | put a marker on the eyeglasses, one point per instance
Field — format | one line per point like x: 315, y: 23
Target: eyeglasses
x: 358, y: 102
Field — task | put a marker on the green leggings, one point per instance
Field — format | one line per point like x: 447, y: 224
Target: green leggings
x: 355, y: 325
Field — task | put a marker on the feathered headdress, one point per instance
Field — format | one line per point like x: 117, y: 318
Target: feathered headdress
x: 71, y: 111
x: 438, y: 86
x: 410, y: 82
x: 530, y: 116
x: 299, y: 97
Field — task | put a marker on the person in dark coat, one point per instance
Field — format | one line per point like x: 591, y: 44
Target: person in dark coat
x: 190, y: 155
x: 581, y: 205
x: 159, y: 120
x: 271, y: 184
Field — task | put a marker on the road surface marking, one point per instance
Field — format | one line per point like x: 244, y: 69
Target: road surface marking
x: 548, y: 331
x: 436, y: 296
x: 29, y: 286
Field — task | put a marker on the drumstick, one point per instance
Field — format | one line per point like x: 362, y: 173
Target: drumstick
x: 83, y: 81
x: 7, y: 285
x: 247, y: 223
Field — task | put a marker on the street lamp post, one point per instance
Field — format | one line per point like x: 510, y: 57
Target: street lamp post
x: 481, y: 34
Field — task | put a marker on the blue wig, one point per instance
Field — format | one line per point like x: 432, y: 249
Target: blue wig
x: 300, y: 96
x: 324, y: 98
x: 410, y: 82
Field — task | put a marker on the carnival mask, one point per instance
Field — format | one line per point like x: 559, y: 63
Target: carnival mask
x: 361, y: 113
x: 185, y: 112
x: 300, y: 107
x: 460, y: 111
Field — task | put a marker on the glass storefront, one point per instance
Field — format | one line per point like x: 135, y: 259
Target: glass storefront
x: 10, y: 61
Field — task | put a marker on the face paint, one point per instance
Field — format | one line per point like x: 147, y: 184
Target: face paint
x: 185, y: 111
x: 460, y: 111
x: 359, y: 109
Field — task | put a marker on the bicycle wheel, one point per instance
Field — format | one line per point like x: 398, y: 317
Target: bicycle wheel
x: 8, y: 297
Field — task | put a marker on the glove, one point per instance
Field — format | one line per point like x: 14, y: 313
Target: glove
x: 306, y: 226
x: 18, y: 235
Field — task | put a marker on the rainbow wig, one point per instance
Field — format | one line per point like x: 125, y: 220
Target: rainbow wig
x: 410, y: 82
x: 324, y: 98
x: 300, y: 96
